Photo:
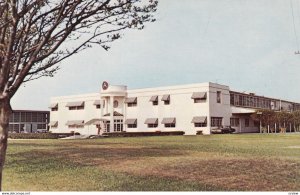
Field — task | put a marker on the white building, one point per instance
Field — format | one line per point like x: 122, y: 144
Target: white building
x: 190, y: 108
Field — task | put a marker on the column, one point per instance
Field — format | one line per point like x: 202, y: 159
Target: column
x: 102, y: 107
x: 124, y: 114
x: 111, y: 111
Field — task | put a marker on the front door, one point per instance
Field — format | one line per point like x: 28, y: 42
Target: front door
x: 118, y: 125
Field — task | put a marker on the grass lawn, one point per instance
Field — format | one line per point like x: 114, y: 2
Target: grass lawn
x: 246, y: 162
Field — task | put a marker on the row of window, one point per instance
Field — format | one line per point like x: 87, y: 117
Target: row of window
x: 198, y: 97
x: 21, y: 127
x: 28, y: 117
x: 235, y: 122
x: 215, y: 122
x: 246, y: 100
x: 118, y: 124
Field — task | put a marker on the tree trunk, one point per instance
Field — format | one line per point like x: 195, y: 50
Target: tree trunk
x: 5, y: 111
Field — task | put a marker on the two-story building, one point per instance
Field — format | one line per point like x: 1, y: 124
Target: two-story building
x: 190, y: 108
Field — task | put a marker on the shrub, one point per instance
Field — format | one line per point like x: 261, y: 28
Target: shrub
x: 139, y: 134
x: 39, y: 135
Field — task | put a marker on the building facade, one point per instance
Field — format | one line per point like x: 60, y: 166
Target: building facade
x: 190, y: 108
x: 29, y: 121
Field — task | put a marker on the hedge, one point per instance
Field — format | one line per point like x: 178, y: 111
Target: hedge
x: 139, y: 134
x: 39, y: 135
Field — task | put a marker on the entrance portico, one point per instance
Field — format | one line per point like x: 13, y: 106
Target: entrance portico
x: 113, y: 107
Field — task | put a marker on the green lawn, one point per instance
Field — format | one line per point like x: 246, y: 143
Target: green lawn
x: 248, y: 162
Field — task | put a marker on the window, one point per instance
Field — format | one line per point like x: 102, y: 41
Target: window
x: 41, y: 126
x: 200, y: 121
x: 235, y: 122
x: 28, y: 116
x: 153, y: 125
x: 169, y: 125
x: 131, y: 125
x: 98, y: 106
x: 247, y: 121
x: 131, y: 101
x: 199, y: 97
x: 11, y: 127
x: 152, y: 122
x: 216, y: 121
x: 134, y: 104
x: 218, y: 96
x: 76, y: 107
x: 200, y: 124
x: 118, y: 125
x: 167, y: 102
x: 107, y: 125
x: 16, y: 116
x: 154, y: 100
x: 76, y: 126
x: 166, y: 99
x: 199, y: 100
x: 54, y: 126
x: 54, y: 109
x: 116, y: 104
x: 23, y: 116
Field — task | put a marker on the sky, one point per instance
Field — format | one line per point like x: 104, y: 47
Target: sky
x: 248, y: 45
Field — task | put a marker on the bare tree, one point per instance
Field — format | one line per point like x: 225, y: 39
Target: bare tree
x: 35, y: 35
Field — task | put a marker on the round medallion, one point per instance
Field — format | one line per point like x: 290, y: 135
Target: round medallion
x: 104, y: 85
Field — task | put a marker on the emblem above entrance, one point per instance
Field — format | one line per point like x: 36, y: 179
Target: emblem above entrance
x: 104, y: 85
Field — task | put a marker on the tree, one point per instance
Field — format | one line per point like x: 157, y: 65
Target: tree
x: 296, y: 120
x: 36, y: 35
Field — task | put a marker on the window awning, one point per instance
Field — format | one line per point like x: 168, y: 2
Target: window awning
x: 168, y: 121
x: 53, y: 105
x: 199, y: 95
x: 131, y: 121
x: 97, y: 102
x: 71, y: 104
x: 95, y: 121
x: 154, y: 98
x: 131, y: 100
x: 199, y: 119
x: 151, y: 121
x: 53, y: 123
x: 75, y: 122
x: 165, y: 98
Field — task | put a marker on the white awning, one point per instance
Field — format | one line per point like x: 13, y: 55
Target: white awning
x: 151, y: 121
x: 131, y: 121
x: 199, y: 95
x: 154, y: 98
x: 168, y: 121
x: 75, y: 122
x: 131, y: 100
x: 199, y: 119
x: 71, y: 104
x: 53, y: 123
x: 165, y: 98
x: 53, y: 105
x: 97, y: 102
x: 95, y: 121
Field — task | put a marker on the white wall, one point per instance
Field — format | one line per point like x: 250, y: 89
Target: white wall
x: 64, y: 114
x: 182, y: 107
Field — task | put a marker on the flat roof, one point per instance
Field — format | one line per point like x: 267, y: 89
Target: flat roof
x: 31, y: 111
x: 270, y: 98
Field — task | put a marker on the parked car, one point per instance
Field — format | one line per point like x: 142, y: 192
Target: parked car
x: 223, y: 130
